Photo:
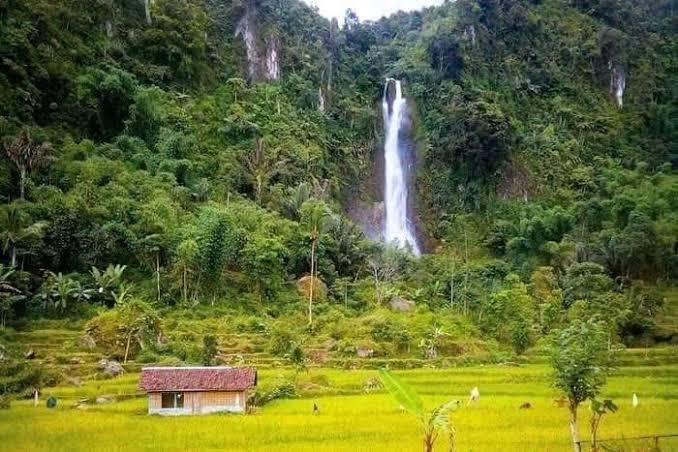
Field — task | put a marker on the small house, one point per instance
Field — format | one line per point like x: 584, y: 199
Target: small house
x: 197, y: 390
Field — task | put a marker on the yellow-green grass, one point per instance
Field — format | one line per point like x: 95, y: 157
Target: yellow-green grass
x: 349, y: 418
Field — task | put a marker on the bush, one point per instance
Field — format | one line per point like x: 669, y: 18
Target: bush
x: 5, y: 402
x: 286, y: 390
x: 281, y: 342
x: 126, y: 329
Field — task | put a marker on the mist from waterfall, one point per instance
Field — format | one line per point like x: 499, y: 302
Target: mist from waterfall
x: 397, y: 228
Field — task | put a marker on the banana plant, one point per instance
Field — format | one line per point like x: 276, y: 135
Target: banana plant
x: 433, y: 422
x: 598, y: 409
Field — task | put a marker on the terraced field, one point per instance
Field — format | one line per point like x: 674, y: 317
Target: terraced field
x: 350, y: 418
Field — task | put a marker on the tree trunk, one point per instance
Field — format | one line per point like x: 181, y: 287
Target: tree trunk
x: 310, y: 292
x: 428, y: 443
x: 573, y: 428
x: 22, y: 182
x: 157, y: 272
x: 13, y: 254
x: 185, y: 287
x: 129, y: 341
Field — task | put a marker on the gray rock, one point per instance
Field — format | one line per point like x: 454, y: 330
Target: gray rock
x: 111, y: 368
x: 400, y: 304
x: 87, y: 342
x: 101, y: 400
x: 364, y: 352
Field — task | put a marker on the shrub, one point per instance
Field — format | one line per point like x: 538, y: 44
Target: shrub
x: 281, y: 342
x: 5, y: 401
x: 286, y: 390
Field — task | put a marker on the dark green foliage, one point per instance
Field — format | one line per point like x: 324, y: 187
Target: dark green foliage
x: 153, y: 148
x: 209, y: 349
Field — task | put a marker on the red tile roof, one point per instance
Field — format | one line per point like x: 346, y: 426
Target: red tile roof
x: 158, y: 379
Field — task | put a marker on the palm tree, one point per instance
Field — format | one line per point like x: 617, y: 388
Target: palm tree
x: 16, y: 228
x: 433, y: 422
x: 261, y: 169
x: 317, y: 219
x: 8, y: 293
x: 26, y: 156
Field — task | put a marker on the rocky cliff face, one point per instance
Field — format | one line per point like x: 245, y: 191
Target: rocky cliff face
x: 249, y: 30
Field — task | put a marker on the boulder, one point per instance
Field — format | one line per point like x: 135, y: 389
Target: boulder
x: 111, y: 368
x: 101, y: 400
x: 74, y: 381
x: 87, y: 342
x: 401, y: 304
x: 364, y: 352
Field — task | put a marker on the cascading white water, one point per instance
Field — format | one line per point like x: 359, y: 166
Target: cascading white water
x: 397, y: 227
x: 617, y: 83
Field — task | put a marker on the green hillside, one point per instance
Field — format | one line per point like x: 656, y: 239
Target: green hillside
x: 203, y: 169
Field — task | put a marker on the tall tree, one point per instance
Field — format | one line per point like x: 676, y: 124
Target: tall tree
x: 317, y: 219
x: 27, y: 156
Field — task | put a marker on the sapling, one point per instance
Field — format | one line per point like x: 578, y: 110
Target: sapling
x: 580, y: 360
x: 598, y: 409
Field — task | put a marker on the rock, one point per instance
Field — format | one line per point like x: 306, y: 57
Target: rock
x: 364, y: 352
x: 76, y: 360
x: 30, y: 354
x: 74, y: 381
x: 87, y: 342
x: 111, y: 368
x: 101, y: 400
x: 400, y: 304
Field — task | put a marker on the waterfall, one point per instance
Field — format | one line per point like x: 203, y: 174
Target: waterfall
x: 397, y: 227
x: 617, y: 83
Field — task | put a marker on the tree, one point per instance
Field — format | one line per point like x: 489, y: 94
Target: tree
x: 18, y: 230
x: 108, y: 282
x: 598, y: 409
x: 60, y: 290
x: 139, y: 321
x: 8, y: 293
x: 580, y: 362
x: 317, y: 219
x: 261, y: 169
x: 184, y: 263
x: 433, y: 422
x: 26, y: 156
x: 209, y: 349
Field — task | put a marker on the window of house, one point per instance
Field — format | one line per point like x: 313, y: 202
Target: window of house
x: 172, y: 400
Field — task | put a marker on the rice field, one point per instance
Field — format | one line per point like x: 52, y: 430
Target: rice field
x: 350, y: 419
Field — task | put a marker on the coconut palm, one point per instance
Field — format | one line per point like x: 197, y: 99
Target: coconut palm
x: 432, y: 422
x: 261, y: 168
x: 317, y: 220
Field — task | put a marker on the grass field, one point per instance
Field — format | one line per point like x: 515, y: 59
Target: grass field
x: 349, y: 419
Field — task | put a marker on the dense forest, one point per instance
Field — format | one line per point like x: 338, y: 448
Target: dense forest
x: 203, y: 159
